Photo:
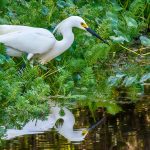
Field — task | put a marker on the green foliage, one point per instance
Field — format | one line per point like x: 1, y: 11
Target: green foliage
x: 145, y: 41
x: 137, y: 7
x: 97, y: 52
x: 22, y: 95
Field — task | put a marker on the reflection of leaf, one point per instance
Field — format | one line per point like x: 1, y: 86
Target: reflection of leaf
x: 113, y: 109
x: 145, y: 41
x: 112, y: 80
x: 145, y: 77
x: 131, y: 22
x: 62, y: 112
x: 129, y: 81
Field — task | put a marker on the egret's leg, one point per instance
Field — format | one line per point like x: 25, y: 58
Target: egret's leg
x: 30, y: 55
x: 31, y: 63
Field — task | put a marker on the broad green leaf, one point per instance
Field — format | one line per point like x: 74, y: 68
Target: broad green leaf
x: 118, y: 33
x: 131, y: 22
x: 113, y: 18
x: 119, y: 39
x: 61, y: 4
x: 145, y: 41
x: 45, y: 10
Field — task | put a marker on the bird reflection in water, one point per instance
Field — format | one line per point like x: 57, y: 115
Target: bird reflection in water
x: 63, y: 123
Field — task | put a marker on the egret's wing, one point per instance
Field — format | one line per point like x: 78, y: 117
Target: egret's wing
x: 35, y: 41
x: 4, y: 29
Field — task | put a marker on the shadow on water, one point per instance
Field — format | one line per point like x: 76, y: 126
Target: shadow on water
x: 128, y: 130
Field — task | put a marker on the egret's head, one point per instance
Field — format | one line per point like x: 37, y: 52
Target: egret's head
x: 70, y: 22
x: 80, y: 23
x: 76, y: 21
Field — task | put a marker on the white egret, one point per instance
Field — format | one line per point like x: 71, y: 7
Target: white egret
x: 39, y: 42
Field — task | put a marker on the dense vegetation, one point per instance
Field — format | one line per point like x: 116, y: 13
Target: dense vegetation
x: 90, y: 73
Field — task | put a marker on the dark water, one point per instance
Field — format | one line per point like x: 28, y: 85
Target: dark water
x: 128, y: 130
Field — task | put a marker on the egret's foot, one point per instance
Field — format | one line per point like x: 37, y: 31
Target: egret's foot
x: 42, y: 62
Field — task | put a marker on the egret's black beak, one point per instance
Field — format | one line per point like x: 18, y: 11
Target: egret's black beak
x: 96, y: 35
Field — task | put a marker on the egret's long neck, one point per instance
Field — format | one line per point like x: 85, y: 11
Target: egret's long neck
x: 60, y: 46
x: 66, y: 42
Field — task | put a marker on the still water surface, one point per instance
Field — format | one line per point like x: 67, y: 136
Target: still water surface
x: 128, y: 130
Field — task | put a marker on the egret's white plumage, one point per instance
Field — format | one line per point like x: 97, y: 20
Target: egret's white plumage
x: 39, y: 41
x: 23, y: 39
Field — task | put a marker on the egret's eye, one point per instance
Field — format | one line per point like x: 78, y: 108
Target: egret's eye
x: 82, y: 24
